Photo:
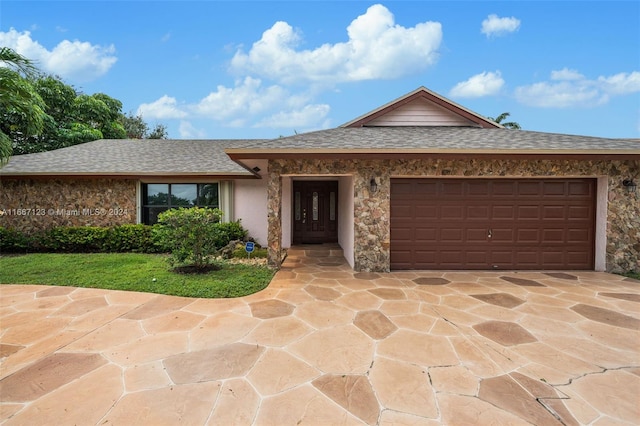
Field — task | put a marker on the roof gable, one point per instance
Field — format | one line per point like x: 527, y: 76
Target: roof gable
x: 422, y: 107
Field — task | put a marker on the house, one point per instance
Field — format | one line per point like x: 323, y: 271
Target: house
x: 419, y: 183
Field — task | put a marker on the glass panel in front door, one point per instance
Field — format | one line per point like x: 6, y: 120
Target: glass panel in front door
x: 315, y: 206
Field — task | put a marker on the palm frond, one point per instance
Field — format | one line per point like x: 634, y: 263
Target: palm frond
x: 16, y: 61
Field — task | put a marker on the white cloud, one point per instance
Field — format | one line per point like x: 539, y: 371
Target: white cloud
x: 566, y: 74
x: 245, y: 103
x: 309, y: 115
x: 559, y: 95
x: 164, y: 108
x: 247, y: 98
x: 189, y: 131
x: 483, y: 84
x: 377, y: 49
x: 622, y: 83
x: 496, y: 26
x: 569, y: 88
x: 250, y: 101
x: 75, y: 60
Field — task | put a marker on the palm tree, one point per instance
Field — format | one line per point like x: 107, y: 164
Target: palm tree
x: 508, y: 124
x: 17, y: 96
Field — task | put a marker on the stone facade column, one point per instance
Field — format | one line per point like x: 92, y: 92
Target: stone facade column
x: 623, y: 219
x: 371, y: 221
x: 274, y: 220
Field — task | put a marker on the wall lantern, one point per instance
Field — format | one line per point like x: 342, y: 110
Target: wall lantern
x: 629, y: 185
x: 373, y: 186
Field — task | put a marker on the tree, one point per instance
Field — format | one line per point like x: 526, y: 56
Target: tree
x: 136, y: 128
x: 70, y: 118
x: 507, y: 125
x: 158, y: 132
x: 21, y: 108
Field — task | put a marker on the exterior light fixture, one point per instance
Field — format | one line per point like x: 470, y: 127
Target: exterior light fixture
x: 629, y: 185
x: 373, y: 186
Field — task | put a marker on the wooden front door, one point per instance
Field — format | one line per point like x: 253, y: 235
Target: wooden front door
x: 315, y: 212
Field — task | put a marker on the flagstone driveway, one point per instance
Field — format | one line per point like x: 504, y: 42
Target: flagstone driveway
x: 324, y: 345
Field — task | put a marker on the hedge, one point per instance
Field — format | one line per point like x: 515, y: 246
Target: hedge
x: 90, y: 239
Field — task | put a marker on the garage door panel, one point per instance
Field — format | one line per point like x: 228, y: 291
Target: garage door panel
x: 553, y: 235
x: 579, y: 212
x: 449, y: 188
x: 528, y: 258
x: 502, y: 188
x: 478, y: 188
x: 474, y: 235
x: 403, y: 188
x: 428, y: 257
x: 580, y: 189
x: 528, y: 236
x: 428, y: 235
x: 477, y: 257
x: 426, y: 212
x: 554, y: 189
x: 476, y: 212
x: 403, y: 234
x: 555, y: 259
x: 528, y: 212
x: 502, y: 257
x: 529, y: 188
x: 402, y: 211
x: 578, y: 236
x: 425, y: 188
x: 577, y: 257
x: 503, y: 212
x: 451, y: 258
x: 553, y: 213
x: 534, y: 223
x: 452, y: 212
x: 451, y: 235
x: 502, y: 235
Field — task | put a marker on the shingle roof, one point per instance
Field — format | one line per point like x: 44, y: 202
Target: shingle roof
x: 437, y: 139
x: 131, y: 157
x: 161, y: 157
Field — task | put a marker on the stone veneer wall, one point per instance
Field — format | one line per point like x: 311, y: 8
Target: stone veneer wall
x: 36, y: 204
x: 371, y: 212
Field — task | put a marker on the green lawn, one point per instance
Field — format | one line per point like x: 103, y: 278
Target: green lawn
x: 133, y: 272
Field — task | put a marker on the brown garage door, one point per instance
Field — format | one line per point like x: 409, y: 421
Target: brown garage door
x: 492, y: 223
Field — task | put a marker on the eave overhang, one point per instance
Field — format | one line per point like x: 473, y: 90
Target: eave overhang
x: 137, y: 176
x: 393, y: 154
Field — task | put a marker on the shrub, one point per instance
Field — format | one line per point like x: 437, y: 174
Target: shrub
x: 131, y: 238
x: 82, y: 239
x: 191, y: 234
x: 122, y: 238
x: 74, y: 239
x: 12, y: 241
x: 229, y: 231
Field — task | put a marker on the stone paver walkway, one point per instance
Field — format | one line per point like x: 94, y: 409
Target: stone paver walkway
x: 324, y: 345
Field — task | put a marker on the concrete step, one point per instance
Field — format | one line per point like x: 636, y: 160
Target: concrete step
x: 316, y: 251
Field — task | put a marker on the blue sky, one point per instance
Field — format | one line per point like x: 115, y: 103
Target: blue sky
x: 263, y: 69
